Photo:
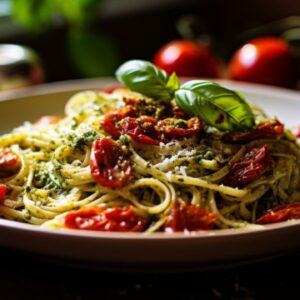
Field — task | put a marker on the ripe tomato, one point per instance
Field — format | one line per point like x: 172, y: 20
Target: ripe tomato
x: 105, y: 219
x: 267, y: 60
x: 189, y: 217
x: 253, y: 165
x: 280, y: 213
x: 108, y: 163
x: 187, y: 58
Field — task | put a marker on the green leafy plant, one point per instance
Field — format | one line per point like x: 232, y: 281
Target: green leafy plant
x: 38, y: 15
x: 219, y: 107
x: 90, y: 51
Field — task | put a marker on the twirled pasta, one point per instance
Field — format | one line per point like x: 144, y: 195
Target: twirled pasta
x: 54, y: 175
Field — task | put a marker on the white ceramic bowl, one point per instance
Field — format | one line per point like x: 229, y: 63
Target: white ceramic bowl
x: 119, y: 251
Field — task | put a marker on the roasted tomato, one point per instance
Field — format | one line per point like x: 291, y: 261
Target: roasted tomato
x: 9, y: 163
x: 111, y: 119
x: 110, y: 89
x: 187, y: 58
x: 108, y: 163
x: 46, y: 121
x: 105, y: 219
x: 189, y: 217
x: 3, y: 190
x: 267, y: 60
x: 141, y: 130
x: 178, y: 128
x: 253, y: 165
x: 266, y: 130
x: 149, y: 107
x: 297, y: 132
x: 177, y: 112
x: 280, y: 213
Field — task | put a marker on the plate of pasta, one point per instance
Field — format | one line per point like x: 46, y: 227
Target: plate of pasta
x: 150, y: 171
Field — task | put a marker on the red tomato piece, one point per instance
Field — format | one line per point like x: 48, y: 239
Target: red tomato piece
x: 105, y: 219
x: 266, y: 130
x: 46, y: 121
x: 108, y: 163
x: 3, y: 191
x: 178, y: 128
x: 187, y: 58
x: 141, y: 130
x: 267, y: 60
x: 111, y: 89
x: 177, y: 112
x: 130, y: 101
x: 111, y: 119
x: 297, y: 132
x: 9, y: 162
x: 189, y: 217
x: 280, y: 213
x: 253, y: 165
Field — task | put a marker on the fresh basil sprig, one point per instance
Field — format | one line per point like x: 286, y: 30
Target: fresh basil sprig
x: 217, y: 106
x: 144, y: 77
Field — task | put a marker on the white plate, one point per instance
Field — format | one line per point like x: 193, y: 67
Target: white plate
x: 137, y: 251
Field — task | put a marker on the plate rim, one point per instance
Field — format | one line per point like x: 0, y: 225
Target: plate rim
x: 79, y: 84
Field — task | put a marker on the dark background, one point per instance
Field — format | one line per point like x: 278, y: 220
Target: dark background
x: 138, y: 28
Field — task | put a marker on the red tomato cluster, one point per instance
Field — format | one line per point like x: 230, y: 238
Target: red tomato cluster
x: 147, y: 129
x: 266, y: 60
x: 109, y: 161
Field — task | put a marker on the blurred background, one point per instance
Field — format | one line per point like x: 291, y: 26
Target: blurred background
x: 90, y: 38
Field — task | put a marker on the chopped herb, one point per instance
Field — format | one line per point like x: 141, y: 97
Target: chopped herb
x: 86, y: 139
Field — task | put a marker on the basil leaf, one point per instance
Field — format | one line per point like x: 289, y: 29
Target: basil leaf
x: 216, y: 105
x: 144, y: 77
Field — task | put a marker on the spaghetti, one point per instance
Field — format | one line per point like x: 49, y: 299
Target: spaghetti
x: 122, y: 161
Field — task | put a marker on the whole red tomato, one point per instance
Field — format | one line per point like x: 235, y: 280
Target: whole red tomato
x: 187, y: 58
x: 267, y: 60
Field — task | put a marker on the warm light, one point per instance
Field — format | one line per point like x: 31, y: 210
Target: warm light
x: 248, y: 55
x: 171, y: 54
x: 10, y: 54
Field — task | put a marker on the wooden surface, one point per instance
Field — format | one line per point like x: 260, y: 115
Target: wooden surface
x: 24, y: 277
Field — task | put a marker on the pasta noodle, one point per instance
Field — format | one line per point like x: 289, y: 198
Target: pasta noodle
x: 52, y: 174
